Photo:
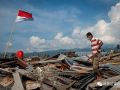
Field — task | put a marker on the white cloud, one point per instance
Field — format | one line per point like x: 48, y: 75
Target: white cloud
x: 58, y: 36
x: 36, y: 41
x: 64, y: 40
x: 76, y: 32
x: 108, y: 32
x: 114, y: 14
x: 108, y: 39
x: 67, y: 40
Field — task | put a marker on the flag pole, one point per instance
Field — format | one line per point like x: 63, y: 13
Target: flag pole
x: 22, y: 16
x: 9, y: 40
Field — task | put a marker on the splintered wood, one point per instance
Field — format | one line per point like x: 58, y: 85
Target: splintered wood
x: 113, y: 58
x: 58, y: 73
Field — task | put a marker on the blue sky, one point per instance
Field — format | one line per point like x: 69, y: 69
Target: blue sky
x: 57, y: 23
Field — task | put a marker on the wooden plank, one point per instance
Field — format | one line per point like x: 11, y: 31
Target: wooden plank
x: 5, y: 70
x: 18, y: 82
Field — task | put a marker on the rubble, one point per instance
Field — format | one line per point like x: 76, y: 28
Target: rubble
x: 60, y: 72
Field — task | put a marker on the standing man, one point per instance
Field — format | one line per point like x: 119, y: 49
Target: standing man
x: 96, y: 52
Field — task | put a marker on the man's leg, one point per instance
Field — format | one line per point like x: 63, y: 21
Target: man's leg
x: 96, y: 66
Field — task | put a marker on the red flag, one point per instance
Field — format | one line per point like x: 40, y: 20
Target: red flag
x: 23, y: 15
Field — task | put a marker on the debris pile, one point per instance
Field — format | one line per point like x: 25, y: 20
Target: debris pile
x: 60, y: 72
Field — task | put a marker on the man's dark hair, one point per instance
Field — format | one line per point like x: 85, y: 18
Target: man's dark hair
x: 89, y: 34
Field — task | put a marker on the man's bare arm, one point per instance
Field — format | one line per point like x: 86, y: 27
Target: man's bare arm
x: 100, y: 44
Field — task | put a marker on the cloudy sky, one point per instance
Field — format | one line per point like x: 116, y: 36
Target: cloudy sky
x: 59, y: 24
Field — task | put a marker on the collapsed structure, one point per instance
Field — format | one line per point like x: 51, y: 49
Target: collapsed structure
x: 60, y: 72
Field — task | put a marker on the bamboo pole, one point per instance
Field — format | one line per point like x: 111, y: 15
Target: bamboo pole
x: 9, y: 40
